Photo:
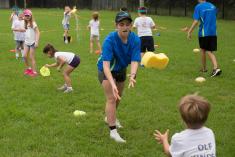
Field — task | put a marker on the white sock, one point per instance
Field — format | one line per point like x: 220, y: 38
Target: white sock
x: 22, y: 53
x: 69, y: 87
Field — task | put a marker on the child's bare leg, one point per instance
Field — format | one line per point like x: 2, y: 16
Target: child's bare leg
x: 66, y: 74
x: 22, y: 49
x: 91, y: 45
x: 203, y: 57
x: 17, y: 49
x: 26, y: 51
x: 213, y: 59
x: 66, y: 35
x: 98, y: 44
x: 32, y: 57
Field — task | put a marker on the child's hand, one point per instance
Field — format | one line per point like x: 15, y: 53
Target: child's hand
x: 58, y: 69
x: 161, y: 138
x: 22, y: 30
x: 47, y: 65
x: 132, y: 80
x: 115, y: 93
x: 189, y: 36
x: 36, y: 44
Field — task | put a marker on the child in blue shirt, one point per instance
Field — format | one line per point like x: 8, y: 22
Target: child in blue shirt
x: 205, y: 12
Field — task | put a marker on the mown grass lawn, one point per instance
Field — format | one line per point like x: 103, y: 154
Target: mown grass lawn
x: 37, y: 120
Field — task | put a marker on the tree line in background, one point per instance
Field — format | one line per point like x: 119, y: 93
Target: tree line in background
x: 226, y: 8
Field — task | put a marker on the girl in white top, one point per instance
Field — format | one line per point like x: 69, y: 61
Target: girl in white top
x: 93, y: 26
x: 19, y: 34
x: 32, y: 35
x: 63, y: 58
x: 195, y: 141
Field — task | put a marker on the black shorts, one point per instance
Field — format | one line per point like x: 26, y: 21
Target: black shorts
x: 75, y: 62
x: 208, y: 43
x: 119, y: 76
x: 147, y: 43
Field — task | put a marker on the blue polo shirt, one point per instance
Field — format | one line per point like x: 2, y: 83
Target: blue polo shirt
x: 118, y: 53
x: 206, y: 13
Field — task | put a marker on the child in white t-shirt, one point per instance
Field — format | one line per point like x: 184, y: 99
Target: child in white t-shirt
x: 93, y: 26
x: 66, y: 25
x: 14, y: 14
x: 63, y: 58
x: 144, y: 25
x: 195, y: 141
x: 18, y: 29
x: 32, y: 35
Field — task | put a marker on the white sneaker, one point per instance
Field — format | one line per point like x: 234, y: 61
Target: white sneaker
x: 66, y: 42
x: 62, y: 88
x: 115, y: 135
x: 117, y: 123
x: 68, y: 90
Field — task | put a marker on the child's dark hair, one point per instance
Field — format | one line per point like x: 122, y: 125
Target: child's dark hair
x: 194, y: 110
x: 95, y: 16
x: 124, y: 9
x: 142, y: 10
x: 49, y: 47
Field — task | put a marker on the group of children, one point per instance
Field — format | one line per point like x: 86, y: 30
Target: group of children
x: 196, y: 140
x: 26, y: 36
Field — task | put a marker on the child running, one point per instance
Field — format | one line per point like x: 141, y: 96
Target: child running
x: 93, y: 26
x: 196, y: 140
x: 63, y: 58
x: 32, y: 36
x: 19, y: 35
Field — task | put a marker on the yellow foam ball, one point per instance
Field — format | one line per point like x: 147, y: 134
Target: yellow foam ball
x: 152, y: 60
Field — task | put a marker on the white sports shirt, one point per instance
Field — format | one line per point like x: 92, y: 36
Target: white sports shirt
x: 193, y: 143
x: 67, y: 56
x: 94, y: 25
x: 144, y: 25
x: 18, y: 24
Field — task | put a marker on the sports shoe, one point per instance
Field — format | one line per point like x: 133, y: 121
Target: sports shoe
x: 117, y: 123
x: 216, y: 72
x: 115, y: 135
x: 33, y: 73
x: 142, y: 65
x: 66, y: 42
x: 68, y: 90
x: 27, y: 71
x: 62, y: 88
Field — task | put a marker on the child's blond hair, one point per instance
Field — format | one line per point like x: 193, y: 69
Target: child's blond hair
x: 194, y: 110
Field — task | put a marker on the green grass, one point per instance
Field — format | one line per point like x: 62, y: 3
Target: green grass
x: 36, y: 120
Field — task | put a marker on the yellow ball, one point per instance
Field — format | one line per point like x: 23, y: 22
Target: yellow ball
x: 77, y: 113
x: 196, y: 50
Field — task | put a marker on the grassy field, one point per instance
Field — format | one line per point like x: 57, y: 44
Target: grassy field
x: 37, y: 121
